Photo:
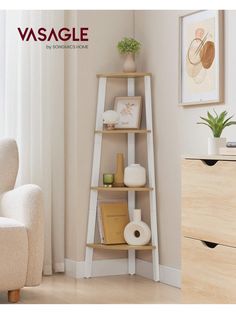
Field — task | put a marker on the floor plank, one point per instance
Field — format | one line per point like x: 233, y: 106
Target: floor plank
x: 61, y: 289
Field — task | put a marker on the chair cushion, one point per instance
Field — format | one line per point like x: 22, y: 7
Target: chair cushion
x: 13, y: 254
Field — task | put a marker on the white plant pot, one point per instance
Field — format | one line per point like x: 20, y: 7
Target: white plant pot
x: 214, y: 144
x: 135, y: 176
x: 137, y: 232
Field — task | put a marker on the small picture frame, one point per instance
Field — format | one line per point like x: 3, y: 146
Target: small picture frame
x: 129, y: 110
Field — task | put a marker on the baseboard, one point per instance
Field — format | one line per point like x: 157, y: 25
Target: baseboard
x: 107, y: 267
x: 143, y: 268
x: 168, y: 275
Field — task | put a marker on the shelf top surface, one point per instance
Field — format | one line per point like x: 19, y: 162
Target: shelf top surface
x: 124, y: 75
x: 120, y: 247
x: 121, y: 189
x: 210, y: 157
x: 121, y: 131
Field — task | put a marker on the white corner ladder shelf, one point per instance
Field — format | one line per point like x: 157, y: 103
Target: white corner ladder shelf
x: 151, y: 188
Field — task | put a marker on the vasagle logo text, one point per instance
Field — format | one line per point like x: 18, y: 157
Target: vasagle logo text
x: 63, y: 34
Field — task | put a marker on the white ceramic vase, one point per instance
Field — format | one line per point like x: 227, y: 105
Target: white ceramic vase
x: 137, y: 232
x: 214, y: 144
x: 129, y: 64
x: 135, y: 176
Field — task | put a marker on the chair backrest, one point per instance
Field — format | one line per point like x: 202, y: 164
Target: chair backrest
x: 9, y: 163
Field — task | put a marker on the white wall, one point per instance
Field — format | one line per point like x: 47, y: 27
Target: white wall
x: 176, y: 131
x: 106, y: 28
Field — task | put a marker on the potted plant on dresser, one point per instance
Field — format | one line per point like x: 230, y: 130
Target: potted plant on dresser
x: 217, y: 123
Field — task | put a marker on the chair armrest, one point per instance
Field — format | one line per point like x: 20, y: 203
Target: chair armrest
x: 25, y: 205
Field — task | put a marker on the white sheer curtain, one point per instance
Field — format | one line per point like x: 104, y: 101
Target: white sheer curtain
x: 32, y: 112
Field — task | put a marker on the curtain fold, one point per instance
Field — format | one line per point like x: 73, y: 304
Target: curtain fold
x: 32, y: 112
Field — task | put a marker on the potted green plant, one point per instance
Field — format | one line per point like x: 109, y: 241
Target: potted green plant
x: 217, y: 123
x: 128, y: 47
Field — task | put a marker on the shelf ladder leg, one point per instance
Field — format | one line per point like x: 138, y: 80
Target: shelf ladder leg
x: 95, y: 176
x: 151, y: 175
x: 131, y: 195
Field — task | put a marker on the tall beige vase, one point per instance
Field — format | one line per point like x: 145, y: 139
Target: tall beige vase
x: 119, y: 175
x: 129, y: 64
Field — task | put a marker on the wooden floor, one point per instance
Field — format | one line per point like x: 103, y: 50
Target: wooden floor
x: 60, y: 289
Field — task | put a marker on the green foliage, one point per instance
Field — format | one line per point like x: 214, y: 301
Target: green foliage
x: 217, y: 123
x: 128, y: 45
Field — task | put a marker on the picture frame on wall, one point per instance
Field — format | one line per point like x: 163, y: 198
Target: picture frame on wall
x: 129, y: 110
x: 201, y: 60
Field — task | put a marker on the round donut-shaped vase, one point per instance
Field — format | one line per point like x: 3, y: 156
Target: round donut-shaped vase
x: 137, y: 232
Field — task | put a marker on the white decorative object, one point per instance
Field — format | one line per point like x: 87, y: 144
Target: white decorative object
x: 137, y: 232
x: 135, y: 176
x: 214, y: 144
x: 110, y: 119
x: 129, y: 64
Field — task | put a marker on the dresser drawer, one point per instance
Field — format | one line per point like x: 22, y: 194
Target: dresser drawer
x: 208, y: 274
x: 209, y: 201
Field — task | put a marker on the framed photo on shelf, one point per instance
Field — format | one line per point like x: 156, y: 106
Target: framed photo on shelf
x: 129, y: 110
x: 201, y: 58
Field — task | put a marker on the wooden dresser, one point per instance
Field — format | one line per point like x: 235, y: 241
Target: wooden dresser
x: 209, y: 229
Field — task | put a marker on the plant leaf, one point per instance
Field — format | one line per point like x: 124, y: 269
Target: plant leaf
x: 205, y: 124
x: 228, y: 119
x: 211, y: 123
x: 216, y: 114
x: 222, y: 116
x: 229, y: 123
x: 210, y: 117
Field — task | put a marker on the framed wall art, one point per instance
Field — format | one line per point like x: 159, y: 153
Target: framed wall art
x: 129, y: 110
x: 201, y: 75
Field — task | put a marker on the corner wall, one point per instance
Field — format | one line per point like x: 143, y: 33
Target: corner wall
x: 176, y: 132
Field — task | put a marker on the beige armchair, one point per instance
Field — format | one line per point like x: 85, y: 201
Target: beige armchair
x: 21, y: 227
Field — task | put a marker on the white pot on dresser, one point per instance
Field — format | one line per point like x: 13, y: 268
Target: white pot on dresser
x: 214, y: 145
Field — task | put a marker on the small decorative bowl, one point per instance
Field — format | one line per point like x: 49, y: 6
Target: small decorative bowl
x: 109, y: 126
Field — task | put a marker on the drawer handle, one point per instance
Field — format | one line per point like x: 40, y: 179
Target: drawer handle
x: 209, y: 162
x: 211, y: 245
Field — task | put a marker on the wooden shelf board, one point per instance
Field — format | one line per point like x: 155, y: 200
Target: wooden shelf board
x: 121, y: 189
x: 144, y: 131
x: 120, y: 247
x: 124, y: 75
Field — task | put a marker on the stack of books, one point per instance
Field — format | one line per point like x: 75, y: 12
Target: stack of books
x: 230, y: 149
x: 112, y: 220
